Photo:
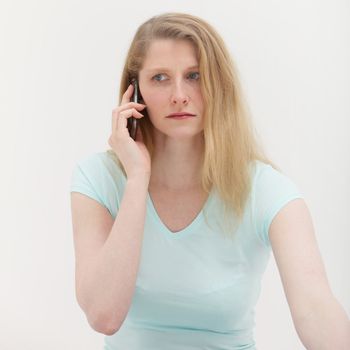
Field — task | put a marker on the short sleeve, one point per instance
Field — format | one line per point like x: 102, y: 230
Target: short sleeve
x: 80, y: 182
x: 272, y: 191
x: 99, y: 177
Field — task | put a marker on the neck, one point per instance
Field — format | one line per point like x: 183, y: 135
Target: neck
x: 176, y: 165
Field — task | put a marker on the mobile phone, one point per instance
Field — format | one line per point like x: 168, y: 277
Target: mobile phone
x: 132, y: 122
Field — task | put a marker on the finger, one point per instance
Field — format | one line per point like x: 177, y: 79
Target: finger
x: 125, y: 107
x: 129, y: 105
x: 127, y: 94
x: 121, y: 119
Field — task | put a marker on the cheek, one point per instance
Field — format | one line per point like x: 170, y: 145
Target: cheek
x: 156, y: 104
x: 199, y: 100
x: 155, y: 99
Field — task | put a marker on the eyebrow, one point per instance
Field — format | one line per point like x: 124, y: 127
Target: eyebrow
x: 165, y: 69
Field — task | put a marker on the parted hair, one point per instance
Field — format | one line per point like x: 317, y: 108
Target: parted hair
x: 231, y: 143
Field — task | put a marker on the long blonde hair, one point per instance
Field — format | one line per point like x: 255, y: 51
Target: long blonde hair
x: 231, y: 142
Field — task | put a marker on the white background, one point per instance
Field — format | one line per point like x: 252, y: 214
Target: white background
x: 60, y: 67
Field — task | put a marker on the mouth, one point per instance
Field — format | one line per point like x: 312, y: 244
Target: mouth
x: 180, y: 115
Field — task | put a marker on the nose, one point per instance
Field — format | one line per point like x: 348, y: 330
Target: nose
x: 179, y: 94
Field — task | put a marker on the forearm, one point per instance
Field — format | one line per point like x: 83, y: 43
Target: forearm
x: 107, y: 287
x: 326, y: 328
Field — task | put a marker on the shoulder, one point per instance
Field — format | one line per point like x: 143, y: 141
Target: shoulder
x: 98, y: 176
x: 98, y: 170
x: 100, y: 162
x: 271, y: 191
x: 267, y: 177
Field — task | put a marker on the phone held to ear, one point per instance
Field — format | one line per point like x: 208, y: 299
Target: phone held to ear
x: 132, y: 122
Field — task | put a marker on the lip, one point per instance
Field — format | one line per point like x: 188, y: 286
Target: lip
x: 180, y: 114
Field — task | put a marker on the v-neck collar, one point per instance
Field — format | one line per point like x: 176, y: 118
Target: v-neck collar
x: 188, y: 229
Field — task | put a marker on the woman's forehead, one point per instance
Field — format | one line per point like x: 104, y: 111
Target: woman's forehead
x: 163, y: 53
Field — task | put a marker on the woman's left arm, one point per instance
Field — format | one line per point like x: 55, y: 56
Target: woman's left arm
x: 319, y: 319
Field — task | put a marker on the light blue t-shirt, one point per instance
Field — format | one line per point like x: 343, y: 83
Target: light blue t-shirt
x: 195, y: 289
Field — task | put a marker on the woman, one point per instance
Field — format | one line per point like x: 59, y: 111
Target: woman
x: 174, y: 230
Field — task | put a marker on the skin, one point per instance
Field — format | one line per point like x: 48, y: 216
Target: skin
x: 178, y: 144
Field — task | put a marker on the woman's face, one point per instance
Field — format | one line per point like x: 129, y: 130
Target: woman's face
x: 169, y: 83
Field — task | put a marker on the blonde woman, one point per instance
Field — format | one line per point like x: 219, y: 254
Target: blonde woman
x: 173, y: 230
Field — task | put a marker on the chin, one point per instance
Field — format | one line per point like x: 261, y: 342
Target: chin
x: 182, y: 134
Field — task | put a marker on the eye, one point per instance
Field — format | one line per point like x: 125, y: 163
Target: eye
x: 191, y: 74
x: 157, y: 75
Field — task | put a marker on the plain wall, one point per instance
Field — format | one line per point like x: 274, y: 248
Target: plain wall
x: 60, y: 67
